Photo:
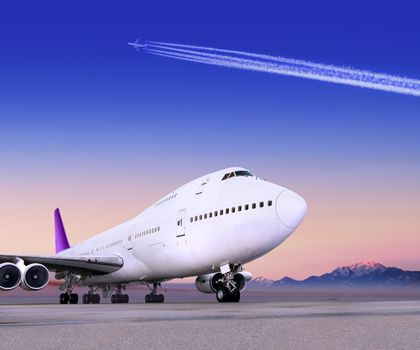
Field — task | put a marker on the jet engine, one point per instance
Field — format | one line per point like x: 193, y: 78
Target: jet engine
x: 35, y: 277
x: 241, y: 278
x: 10, y: 276
x: 209, y: 283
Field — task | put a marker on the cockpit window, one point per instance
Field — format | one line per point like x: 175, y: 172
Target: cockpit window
x: 242, y: 173
x: 236, y: 173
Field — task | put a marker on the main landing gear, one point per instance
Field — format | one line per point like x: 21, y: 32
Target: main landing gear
x: 227, y: 290
x: 153, y: 297
x: 90, y: 297
x: 68, y: 297
x: 118, y: 297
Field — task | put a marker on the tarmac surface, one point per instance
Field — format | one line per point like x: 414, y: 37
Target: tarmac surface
x: 259, y: 321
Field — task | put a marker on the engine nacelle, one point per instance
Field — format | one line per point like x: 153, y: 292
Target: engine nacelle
x: 209, y: 283
x: 35, y: 277
x: 10, y: 276
x: 241, y: 278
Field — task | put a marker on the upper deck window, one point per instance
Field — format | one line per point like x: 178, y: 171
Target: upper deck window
x: 236, y: 173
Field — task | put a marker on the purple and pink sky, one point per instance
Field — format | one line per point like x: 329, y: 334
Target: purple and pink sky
x: 89, y: 125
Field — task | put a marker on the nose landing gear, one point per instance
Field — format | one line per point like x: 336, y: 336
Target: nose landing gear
x: 227, y: 290
x: 223, y: 295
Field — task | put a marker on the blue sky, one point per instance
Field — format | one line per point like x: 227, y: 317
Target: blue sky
x: 66, y: 69
x: 76, y: 100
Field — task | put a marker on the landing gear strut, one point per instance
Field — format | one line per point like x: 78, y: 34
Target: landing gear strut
x: 90, y: 297
x: 118, y: 297
x: 227, y: 289
x: 153, y: 297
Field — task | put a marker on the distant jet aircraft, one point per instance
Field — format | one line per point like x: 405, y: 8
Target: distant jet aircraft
x: 137, y: 44
x: 208, y: 228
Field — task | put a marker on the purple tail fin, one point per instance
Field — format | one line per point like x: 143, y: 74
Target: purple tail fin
x: 61, y: 242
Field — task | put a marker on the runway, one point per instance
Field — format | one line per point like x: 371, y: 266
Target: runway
x: 251, y: 324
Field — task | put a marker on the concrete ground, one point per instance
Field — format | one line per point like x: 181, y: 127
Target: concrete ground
x: 257, y: 322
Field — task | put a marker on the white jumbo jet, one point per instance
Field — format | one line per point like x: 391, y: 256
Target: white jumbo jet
x: 208, y: 228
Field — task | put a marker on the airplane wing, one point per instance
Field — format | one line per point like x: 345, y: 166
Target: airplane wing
x: 84, y: 264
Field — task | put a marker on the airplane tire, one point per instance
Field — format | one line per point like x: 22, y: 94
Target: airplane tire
x: 222, y: 294
x: 154, y: 298
x: 73, y: 298
x: 96, y: 299
x: 235, y: 297
x: 64, y: 298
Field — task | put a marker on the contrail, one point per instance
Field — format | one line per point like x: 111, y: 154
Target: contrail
x: 283, y: 66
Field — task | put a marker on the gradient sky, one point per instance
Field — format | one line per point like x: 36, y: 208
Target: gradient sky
x: 90, y: 125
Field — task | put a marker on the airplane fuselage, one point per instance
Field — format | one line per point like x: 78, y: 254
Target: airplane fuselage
x: 209, y: 222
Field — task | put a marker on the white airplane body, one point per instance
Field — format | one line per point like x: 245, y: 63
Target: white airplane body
x: 208, y: 228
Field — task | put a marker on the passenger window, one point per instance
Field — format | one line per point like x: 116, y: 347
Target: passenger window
x: 270, y: 203
x: 254, y: 205
x: 246, y: 206
x: 195, y: 218
x: 210, y: 214
x: 261, y: 204
x: 191, y: 219
x: 215, y: 213
x: 227, y: 210
x: 201, y: 217
x: 221, y: 212
x: 240, y: 208
x: 233, y: 209
x: 205, y: 216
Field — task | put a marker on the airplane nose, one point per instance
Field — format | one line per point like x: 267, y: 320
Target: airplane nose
x: 291, y: 208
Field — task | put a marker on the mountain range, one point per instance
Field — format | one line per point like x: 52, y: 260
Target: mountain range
x: 365, y: 273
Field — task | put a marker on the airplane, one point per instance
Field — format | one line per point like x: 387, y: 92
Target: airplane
x: 137, y: 44
x: 209, y: 227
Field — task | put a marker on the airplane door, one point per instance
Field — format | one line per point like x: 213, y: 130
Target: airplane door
x: 129, y: 243
x: 181, y: 238
x: 202, y: 186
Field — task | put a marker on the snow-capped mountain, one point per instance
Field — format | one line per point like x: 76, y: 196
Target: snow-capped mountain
x: 364, y: 273
x: 260, y: 282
